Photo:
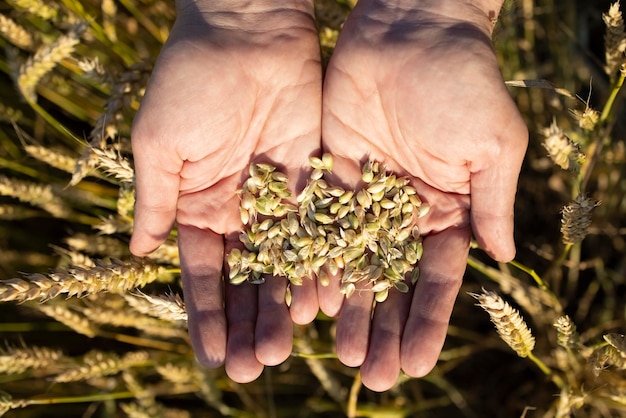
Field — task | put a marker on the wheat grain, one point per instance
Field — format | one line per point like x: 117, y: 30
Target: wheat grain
x: 15, y: 33
x: 509, y: 324
x: 370, y: 230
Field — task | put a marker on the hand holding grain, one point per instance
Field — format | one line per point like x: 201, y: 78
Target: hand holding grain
x: 232, y: 85
x: 419, y: 89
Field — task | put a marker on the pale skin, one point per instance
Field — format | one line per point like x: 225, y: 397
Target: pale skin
x: 414, y: 84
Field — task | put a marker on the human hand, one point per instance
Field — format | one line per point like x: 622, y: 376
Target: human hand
x: 237, y: 82
x: 418, y: 88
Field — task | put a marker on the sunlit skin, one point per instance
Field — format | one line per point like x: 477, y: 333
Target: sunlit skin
x: 421, y: 92
x: 417, y: 88
x: 228, y: 89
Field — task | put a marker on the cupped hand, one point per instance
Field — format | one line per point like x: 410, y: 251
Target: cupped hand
x: 420, y: 90
x: 232, y: 85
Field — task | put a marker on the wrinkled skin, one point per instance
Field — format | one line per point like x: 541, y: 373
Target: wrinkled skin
x: 228, y: 89
x: 422, y: 93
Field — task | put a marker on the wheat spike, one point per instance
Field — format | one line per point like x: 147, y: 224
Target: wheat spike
x: 68, y: 317
x: 98, y: 363
x: 562, y: 150
x: 35, y: 194
x: 45, y: 59
x: 509, y: 324
x: 123, y: 318
x: 116, y: 277
x: 15, y: 360
x: 168, y: 308
x: 124, y: 88
x: 40, y: 8
x: 53, y: 158
x: 567, y: 336
x: 576, y: 219
x: 614, y: 39
x: 97, y: 244
x: 15, y: 33
x: 114, y: 164
x: 14, y: 212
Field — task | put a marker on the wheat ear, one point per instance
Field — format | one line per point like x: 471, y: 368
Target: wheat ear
x: 509, y: 324
x: 116, y: 276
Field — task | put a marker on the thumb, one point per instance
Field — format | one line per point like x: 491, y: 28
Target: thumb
x: 492, y: 195
x: 156, y: 198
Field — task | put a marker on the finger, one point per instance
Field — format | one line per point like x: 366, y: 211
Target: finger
x: 304, y: 305
x: 353, y: 327
x: 241, y: 309
x: 201, y: 254
x: 274, y: 330
x: 381, y: 367
x: 156, y: 196
x: 329, y: 296
x: 441, y: 272
x: 492, y: 194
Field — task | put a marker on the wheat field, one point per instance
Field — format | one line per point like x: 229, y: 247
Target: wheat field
x: 88, y: 330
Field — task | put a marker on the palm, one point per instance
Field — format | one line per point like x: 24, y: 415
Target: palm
x: 430, y: 104
x: 217, y: 101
